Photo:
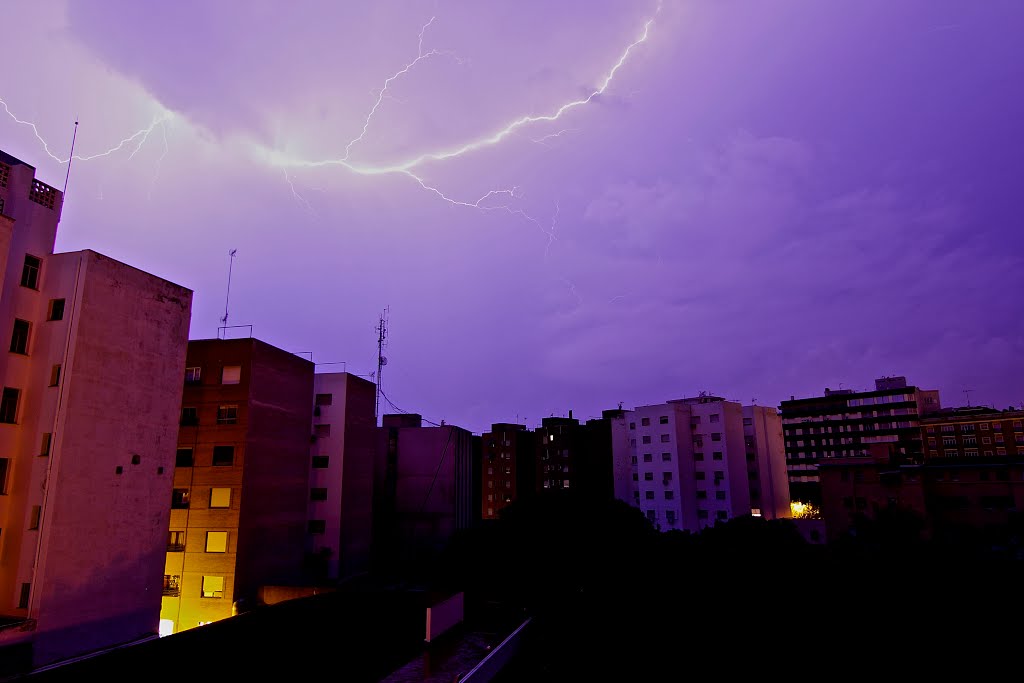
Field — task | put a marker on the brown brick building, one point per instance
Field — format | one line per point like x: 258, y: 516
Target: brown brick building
x: 974, y: 432
x: 241, y: 481
x: 950, y: 495
x: 509, y: 467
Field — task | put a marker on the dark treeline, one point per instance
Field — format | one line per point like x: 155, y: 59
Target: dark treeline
x: 612, y: 597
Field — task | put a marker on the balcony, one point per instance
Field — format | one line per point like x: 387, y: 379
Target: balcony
x: 189, y: 420
x: 175, y: 547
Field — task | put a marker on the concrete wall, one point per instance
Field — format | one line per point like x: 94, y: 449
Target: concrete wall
x: 105, y: 515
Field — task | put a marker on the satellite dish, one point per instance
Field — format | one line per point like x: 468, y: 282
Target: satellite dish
x: 383, y: 360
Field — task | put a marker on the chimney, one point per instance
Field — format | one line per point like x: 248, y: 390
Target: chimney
x: 570, y: 413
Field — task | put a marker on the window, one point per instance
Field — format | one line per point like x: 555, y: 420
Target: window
x: 669, y: 495
x: 649, y: 495
x: 699, y: 476
x: 716, y: 455
x: 648, y: 476
x: 324, y: 399
x: 716, y: 436
x: 5, y: 468
x: 318, y: 494
x: 632, y: 459
x: 999, y: 437
x: 33, y: 522
x: 702, y: 494
x: 217, y: 541
x: 179, y: 499
x: 931, y: 441
x: 967, y: 428
x: 632, y: 425
x: 984, y: 426
x: 949, y: 441
x: 665, y: 438
x: 702, y: 514
x: 189, y: 416
x: 26, y: 591
x: 666, y: 457
x: 227, y: 415
x: 647, y: 439
x: 213, y: 586
x: 648, y: 457
x: 748, y: 421
x: 950, y: 453
x: 320, y: 462
x: 670, y: 516
x: 632, y: 443
x: 55, y: 375
x: 698, y: 456
x: 652, y: 515
x: 225, y: 455
x: 719, y: 495
x: 645, y: 421
x: 232, y: 374
x: 722, y: 514
x: 636, y: 477
x: 30, y: 272
x: 183, y: 458
x: 663, y: 420
x: 948, y: 428
x: 713, y: 418
x: 172, y: 585
x: 9, y: 405
x: 19, y: 337
x: 666, y: 477
x: 193, y: 374
x: 322, y: 431
x: 970, y: 441
x: 175, y: 541
x: 220, y: 497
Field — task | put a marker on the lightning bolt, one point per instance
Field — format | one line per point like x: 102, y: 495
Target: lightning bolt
x: 420, y: 56
x: 298, y: 197
x: 159, y: 161
x: 139, y: 138
x: 279, y: 159
x: 550, y: 136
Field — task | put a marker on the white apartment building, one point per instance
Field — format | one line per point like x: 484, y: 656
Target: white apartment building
x: 696, y: 461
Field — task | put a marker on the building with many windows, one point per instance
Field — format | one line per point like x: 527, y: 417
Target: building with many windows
x: 341, y: 475
x: 695, y: 461
x: 88, y: 418
x: 845, y: 423
x: 241, y: 495
x: 508, y: 468
x: 972, y: 432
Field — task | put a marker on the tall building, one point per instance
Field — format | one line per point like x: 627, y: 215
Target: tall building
x: 844, y: 423
x: 575, y: 457
x: 238, y: 517
x: 427, y: 487
x: 508, y: 468
x: 341, y: 475
x: 692, y: 462
x: 88, y: 418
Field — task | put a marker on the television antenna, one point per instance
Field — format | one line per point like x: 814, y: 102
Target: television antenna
x: 227, y: 298
x: 382, y: 335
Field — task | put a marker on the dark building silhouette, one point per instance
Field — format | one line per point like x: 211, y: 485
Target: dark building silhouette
x: 508, y: 468
x: 426, y: 487
x: 845, y: 423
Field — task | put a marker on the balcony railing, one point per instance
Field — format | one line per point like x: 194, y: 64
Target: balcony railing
x: 172, y: 591
x: 175, y: 547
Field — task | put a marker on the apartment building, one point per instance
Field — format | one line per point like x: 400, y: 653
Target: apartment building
x: 845, y: 423
x: 241, y: 495
x: 340, y: 526
x: 972, y: 432
x: 508, y: 470
x: 88, y: 420
x: 695, y: 461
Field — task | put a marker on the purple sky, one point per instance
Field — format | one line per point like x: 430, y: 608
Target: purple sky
x: 767, y: 198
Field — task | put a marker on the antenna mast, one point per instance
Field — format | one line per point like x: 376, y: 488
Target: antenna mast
x: 382, y: 335
x: 227, y: 298
x: 967, y: 392
x: 70, y: 157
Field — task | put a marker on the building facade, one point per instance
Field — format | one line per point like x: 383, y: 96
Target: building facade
x: 972, y: 432
x: 88, y: 418
x: 238, y: 510
x: 951, y: 496
x: 427, y: 487
x: 845, y: 423
x: 696, y: 461
x: 340, y: 514
x: 508, y: 469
